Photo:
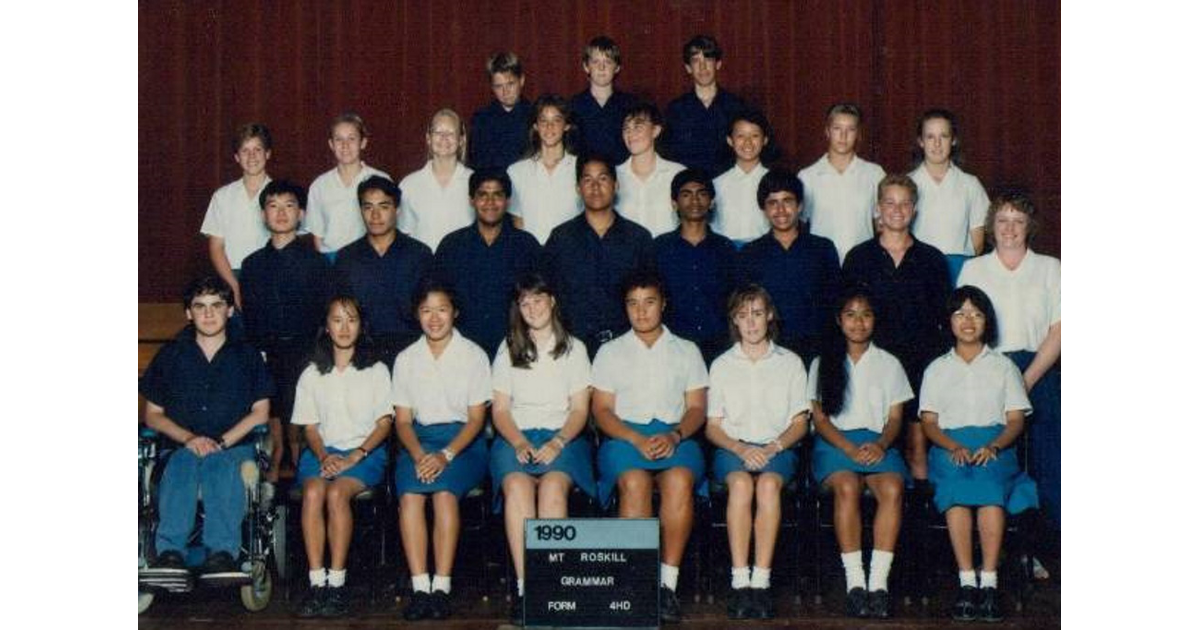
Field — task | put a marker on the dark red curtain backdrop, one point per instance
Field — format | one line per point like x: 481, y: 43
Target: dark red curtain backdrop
x: 206, y: 67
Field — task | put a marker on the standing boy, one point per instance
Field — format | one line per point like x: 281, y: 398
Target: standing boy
x: 600, y: 109
x: 698, y: 120
x: 500, y: 131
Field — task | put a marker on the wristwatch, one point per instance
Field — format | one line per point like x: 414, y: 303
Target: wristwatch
x: 448, y: 454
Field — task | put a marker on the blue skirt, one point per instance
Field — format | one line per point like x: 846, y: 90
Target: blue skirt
x: 575, y: 460
x: 828, y: 459
x: 369, y: 471
x: 1001, y: 482
x: 724, y: 462
x: 617, y: 456
x: 464, y: 473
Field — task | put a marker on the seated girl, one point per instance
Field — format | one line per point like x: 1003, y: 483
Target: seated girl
x: 440, y: 387
x: 757, y: 410
x: 858, y: 408
x: 973, y: 408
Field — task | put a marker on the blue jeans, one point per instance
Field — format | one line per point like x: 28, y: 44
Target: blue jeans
x: 218, y: 480
x: 1045, y: 437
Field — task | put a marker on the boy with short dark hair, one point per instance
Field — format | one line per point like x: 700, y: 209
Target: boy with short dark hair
x: 499, y: 131
x: 600, y: 109
x: 285, y: 286
x: 698, y: 120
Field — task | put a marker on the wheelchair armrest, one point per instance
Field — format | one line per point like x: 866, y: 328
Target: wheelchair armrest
x: 146, y: 433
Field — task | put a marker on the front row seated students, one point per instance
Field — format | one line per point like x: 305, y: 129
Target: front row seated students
x: 758, y: 408
x: 343, y: 401
x: 232, y: 223
x: 586, y: 257
x: 541, y: 386
x: 973, y: 408
x: 205, y: 391
x: 484, y: 260
x: 800, y: 270
x: 441, y: 385
x: 381, y: 270
x: 859, y: 393
x: 648, y: 401
x: 285, y: 287
x: 697, y: 266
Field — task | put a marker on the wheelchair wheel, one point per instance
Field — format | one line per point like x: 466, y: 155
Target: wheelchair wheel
x: 279, y: 543
x: 144, y: 601
x: 257, y: 594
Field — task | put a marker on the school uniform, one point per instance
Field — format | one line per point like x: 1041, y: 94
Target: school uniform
x: 841, y: 206
x: 695, y: 133
x: 1028, y: 300
x: 333, y: 212
x: 737, y: 215
x: 971, y: 400
x: 756, y: 402
x: 876, y: 383
x: 345, y: 405
x: 543, y: 199
x: 647, y: 202
x: 948, y: 210
x: 497, y: 136
x: 234, y: 215
x: 649, y: 385
x: 540, y: 402
x: 429, y: 211
x: 600, y: 125
x: 699, y: 279
x: 439, y: 391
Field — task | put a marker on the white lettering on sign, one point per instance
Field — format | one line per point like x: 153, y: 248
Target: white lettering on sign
x: 560, y: 605
x: 587, y: 580
x: 601, y: 556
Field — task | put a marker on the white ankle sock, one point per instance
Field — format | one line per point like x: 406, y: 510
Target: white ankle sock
x: 881, y: 565
x: 852, y: 563
x: 967, y: 578
x: 670, y: 576
x: 741, y: 578
x: 316, y: 577
x: 760, y: 578
x: 988, y: 578
x: 441, y: 583
x: 420, y: 583
x: 520, y: 587
x: 337, y: 579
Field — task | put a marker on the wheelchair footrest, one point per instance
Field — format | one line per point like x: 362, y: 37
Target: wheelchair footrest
x: 171, y: 580
x: 231, y: 578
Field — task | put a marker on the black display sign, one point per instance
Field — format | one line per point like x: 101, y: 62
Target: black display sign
x: 591, y: 573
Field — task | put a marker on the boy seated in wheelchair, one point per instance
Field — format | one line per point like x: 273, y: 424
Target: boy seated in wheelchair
x: 205, y: 391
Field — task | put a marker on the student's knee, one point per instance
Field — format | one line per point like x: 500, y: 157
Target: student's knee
x: 554, y: 485
x: 889, y: 491
x: 517, y: 485
x: 676, y: 484
x: 741, y: 486
x: 635, y: 484
x: 314, y: 492
x: 845, y: 486
x: 768, y: 485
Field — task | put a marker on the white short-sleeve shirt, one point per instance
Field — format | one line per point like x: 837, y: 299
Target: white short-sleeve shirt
x: 541, y: 394
x: 441, y: 390
x: 344, y: 404
x: 975, y: 394
x: 1028, y: 299
x: 428, y: 212
x: 947, y: 211
x: 333, y: 212
x: 756, y: 400
x: 737, y: 215
x: 648, y: 202
x: 841, y: 206
x: 544, y: 199
x: 649, y: 383
x: 234, y: 215
x: 877, y: 383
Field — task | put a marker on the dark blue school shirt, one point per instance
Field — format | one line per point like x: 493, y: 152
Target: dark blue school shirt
x: 909, y: 299
x: 695, y: 134
x: 206, y: 398
x: 587, y: 271
x: 600, y: 127
x: 498, y: 137
x: 384, y: 285
x: 483, y: 277
x: 285, y: 292
x: 803, y: 280
x: 699, y: 278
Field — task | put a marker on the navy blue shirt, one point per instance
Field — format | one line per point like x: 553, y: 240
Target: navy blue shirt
x: 586, y: 271
x: 695, y: 134
x: 498, y: 137
x: 384, y: 285
x: 909, y: 300
x: 483, y: 276
x: 699, y: 279
x: 803, y: 280
x: 285, y: 292
x: 600, y: 127
x: 206, y: 398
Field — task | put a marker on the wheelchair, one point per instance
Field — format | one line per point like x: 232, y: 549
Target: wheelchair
x: 263, y: 534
